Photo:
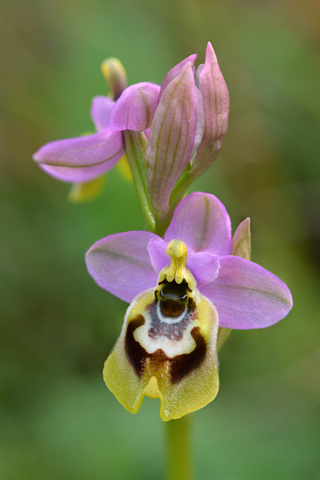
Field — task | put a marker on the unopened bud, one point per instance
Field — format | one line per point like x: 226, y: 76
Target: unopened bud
x: 115, y: 74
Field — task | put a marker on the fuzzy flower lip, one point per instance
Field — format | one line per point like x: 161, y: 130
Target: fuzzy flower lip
x: 84, y: 158
x: 244, y: 293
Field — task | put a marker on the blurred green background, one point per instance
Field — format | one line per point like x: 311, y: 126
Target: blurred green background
x: 57, y: 419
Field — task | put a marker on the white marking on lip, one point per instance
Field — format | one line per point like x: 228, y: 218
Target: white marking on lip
x: 171, y: 348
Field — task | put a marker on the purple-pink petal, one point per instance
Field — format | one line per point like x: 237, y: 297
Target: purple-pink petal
x: 204, y: 267
x: 215, y: 95
x: 147, y: 132
x: 158, y: 256
x: 120, y: 264
x: 241, y: 240
x: 176, y: 70
x: 135, y: 108
x: 83, y: 158
x: 175, y: 133
x: 246, y: 295
x: 100, y: 111
x: 202, y: 222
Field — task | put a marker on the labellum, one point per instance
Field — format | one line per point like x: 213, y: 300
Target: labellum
x: 167, y: 347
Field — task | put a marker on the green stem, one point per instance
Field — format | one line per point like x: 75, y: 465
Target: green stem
x: 162, y: 223
x: 179, y: 463
x: 178, y: 193
x: 135, y: 147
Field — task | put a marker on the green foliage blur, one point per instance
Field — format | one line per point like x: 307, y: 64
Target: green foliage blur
x: 57, y: 419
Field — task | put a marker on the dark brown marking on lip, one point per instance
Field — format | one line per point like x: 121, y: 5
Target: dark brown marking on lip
x: 179, y: 366
x: 182, y: 365
x: 134, y: 351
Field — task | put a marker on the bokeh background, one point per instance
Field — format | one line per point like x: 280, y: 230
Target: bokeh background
x: 57, y: 419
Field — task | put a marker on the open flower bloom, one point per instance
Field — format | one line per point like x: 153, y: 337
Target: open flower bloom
x: 181, y: 288
x: 84, y: 158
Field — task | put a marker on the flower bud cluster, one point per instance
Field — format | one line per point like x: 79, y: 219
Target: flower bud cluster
x: 184, y: 120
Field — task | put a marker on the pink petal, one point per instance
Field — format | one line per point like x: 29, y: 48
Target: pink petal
x: 147, y: 132
x: 241, y: 240
x: 81, y: 159
x: 135, y: 108
x: 100, y: 112
x: 175, y: 134
x: 176, y: 70
x: 202, y: 222
x: 120, y: 264
x: 203, y: 266
x: 246, y: 295
x: 157, y: 251
x: 215, y: 96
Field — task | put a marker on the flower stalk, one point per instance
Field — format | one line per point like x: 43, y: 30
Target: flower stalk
x: 135, y: 147
x: 178, y: 449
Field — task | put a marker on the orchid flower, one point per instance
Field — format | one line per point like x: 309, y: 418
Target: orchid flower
x: 181, y: 288
x: 85, y: 158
